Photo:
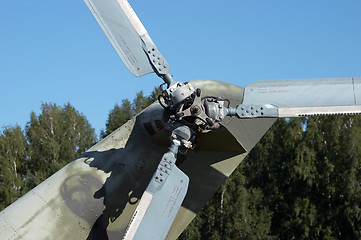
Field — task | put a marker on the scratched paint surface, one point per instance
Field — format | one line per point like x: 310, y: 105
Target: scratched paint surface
x: 356, y: 84
x: 305, y: 92
x: 123, y: 33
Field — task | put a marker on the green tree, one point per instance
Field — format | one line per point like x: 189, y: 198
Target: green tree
x: 12, y: 164
x: 120, y: 114
x: 56, y: 137
x: 140, y: 102
x: 303, y: 176
x: 153, y: 97
x: 336, y: 141
x: 351, y: 195
x: 117, y: 117
x: 310, y: 179
x: 234, y: 212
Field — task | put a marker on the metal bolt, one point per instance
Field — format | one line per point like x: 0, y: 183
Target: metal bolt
x: 196, y: 110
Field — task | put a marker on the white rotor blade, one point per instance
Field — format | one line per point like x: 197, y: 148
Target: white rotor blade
x: 124, y: 31
x: 160, y: 202
x: 306, y: 97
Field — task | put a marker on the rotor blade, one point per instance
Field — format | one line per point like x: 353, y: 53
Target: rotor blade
x: 306, y: 97
x: 160, y: 202
x: 125, y: 32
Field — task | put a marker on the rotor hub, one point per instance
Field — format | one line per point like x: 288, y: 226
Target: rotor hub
x: 186, y: 106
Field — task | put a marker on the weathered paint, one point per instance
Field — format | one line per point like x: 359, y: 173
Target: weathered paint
x: 94, y: 196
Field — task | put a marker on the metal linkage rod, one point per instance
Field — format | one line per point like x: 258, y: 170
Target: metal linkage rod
x: 252, y: 111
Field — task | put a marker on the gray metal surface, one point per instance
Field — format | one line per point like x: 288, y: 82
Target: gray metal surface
x: 95, y: 196
x: 161, y: 200
x: 304, y: 97
x: 124, y: 31
x: 252, y: 111
x: 164, y: 207
x: 305, y: 92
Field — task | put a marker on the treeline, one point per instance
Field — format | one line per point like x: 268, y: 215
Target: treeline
x: 120, y: 114
x: 52, y: 139
x: 301, y: 181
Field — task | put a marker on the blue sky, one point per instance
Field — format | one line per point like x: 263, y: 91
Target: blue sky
x: 54, y: 51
